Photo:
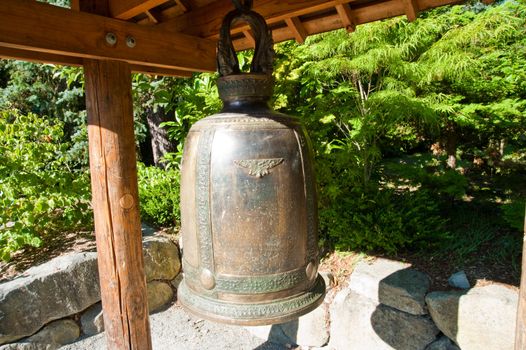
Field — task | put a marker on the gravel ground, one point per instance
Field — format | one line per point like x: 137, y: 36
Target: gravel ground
x: 174, y: 329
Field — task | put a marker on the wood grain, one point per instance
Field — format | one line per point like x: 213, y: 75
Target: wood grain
x: 361, y: 14
x: 411, y: 9
x: 345, y: 13
x: 206, y: 21
x: 115, y: 204
x: 34, y: 26
x: 520, y: 330
x: 42, y: 57
x: 298, y: 31
x: 126, y: 9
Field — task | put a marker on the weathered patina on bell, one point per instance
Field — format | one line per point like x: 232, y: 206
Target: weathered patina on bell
x: 248, y: 201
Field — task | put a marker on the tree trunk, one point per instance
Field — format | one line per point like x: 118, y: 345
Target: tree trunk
x: 502, y: 146
x: 451, y: 145
x: 160, y: 142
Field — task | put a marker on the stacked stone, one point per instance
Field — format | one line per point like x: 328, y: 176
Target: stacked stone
x: 383, y: 307
x: 481, y: 318
x: 41, y: 309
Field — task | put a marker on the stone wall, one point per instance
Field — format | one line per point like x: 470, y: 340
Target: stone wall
x: 385, y: 305
x: 54, y: 303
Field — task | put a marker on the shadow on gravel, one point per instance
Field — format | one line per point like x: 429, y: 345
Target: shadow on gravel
x: 281, y: 336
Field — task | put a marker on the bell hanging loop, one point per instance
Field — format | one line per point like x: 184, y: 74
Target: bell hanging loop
x: 227, y: 61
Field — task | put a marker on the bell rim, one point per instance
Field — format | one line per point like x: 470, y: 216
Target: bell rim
x: 316, y: 295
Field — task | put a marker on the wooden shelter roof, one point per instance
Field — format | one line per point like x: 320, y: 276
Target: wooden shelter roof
x: 172, y: 37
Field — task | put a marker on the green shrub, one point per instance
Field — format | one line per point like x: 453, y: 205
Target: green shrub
x: 513, y: 213
x: 383, y: 220
x: 40, y: 194
x: 159, y: 195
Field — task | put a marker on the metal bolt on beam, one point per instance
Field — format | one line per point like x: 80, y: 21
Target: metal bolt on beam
x: 111, y: 39
x: 130, y: 41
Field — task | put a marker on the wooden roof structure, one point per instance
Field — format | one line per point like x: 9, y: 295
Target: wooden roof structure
x: 112, y: 38
x: 172, y: 37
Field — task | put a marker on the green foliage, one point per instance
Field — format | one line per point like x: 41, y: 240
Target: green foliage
x: 159, y: 195
x: 452, y: 77
x: 39, y: 193
x: 384, y: 220
x: 427, y: 173
x: 184, y: 100
x: 455, y: 77
x: 514, y: 213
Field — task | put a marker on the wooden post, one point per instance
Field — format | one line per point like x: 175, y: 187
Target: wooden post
x: 520, y: 330
x: 115, y: 204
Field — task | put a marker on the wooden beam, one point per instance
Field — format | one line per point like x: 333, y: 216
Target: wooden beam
x: 297, y: 29
x: 183, y: 4
x: 116, y: 204
x: 411, y: 9
x: 206, y: 21
x: 520, y: 330
x: 248, y: 35
x: 126, y: 9
x: 360, y: 15
x: 151, y: 16
x: 344, y: 11
x: 42, y: 57
x: 34, y: 26
x: 74, y: 5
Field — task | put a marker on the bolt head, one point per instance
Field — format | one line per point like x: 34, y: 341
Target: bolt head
x: 111, y: 39
x: 130, y: 41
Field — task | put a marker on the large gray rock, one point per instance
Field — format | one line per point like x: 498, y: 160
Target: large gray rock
x: 51, y: 337
x: 358, y: 322
x: 92, y: 321
x: 391, y: 283
x: 161, y: 259
x: 58, y: 288
x: 443, y: 343
x: 482, y: 318
x: 310, y: 330
x: 59, y: 332
x: 159, y: 295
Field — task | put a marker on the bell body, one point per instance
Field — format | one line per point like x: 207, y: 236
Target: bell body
x: 249, y: 215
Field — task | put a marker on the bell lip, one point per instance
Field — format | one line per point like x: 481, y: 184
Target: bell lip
x: 246, y: 87
x: 318, y: 288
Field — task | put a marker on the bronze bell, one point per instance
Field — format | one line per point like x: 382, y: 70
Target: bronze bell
x: 248, y: 201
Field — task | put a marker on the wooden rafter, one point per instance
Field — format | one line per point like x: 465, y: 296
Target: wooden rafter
x: 206, y: 21
x: 126, y: 9
x: 34, y: 26
x: 411, y: 9
x: 298, y: 31
x: 183, y: 5
x: 360, y: 15
x: 151, y: 16
x: 344, y: 11
x: 248, y: 35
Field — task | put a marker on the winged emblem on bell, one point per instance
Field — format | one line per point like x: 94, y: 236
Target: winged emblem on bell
x: 259, y: 167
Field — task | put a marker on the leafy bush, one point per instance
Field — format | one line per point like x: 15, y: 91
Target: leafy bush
x: 427, y: 172
x: 383, y: 220
x: 513, y: 213
x: 159, y: 195
x: 39, y: 193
